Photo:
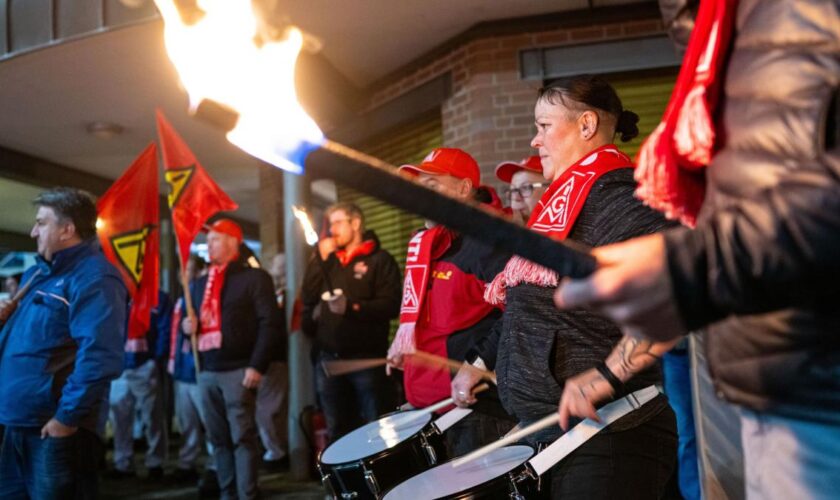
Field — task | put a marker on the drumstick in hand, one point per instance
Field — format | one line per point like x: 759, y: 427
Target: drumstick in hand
x: 547, y: 421
x: 344, y: 366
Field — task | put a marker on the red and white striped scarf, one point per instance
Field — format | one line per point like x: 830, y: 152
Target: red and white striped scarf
x: 555, y: 216
x: 672, y: 161
x: 424, y: 247
x: 210, y: 336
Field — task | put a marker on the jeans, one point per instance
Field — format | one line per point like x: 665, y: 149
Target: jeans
x: 787, y: 458
x: 353, y: 399
x: 228, y: 410
x: 677, y: 374
x: 138, y: 388
x: 51, y: 468
x: 631, y: 464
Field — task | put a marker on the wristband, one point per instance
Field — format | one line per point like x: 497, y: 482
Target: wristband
x: 615, y: 382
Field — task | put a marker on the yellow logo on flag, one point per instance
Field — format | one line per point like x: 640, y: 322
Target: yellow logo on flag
x: 130, y: 249
x: 178, y: 179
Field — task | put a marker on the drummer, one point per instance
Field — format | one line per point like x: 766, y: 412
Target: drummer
x: 590, y: 200
x: 443, y: 309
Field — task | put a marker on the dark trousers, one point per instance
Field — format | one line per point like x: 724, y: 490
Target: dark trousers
x: 353, y: 399
x: 632, y: 464
x: 229, y: 412
x: 474, y: 431
x: 50, y: 468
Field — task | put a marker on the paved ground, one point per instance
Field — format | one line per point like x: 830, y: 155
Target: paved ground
x: 273, y: 486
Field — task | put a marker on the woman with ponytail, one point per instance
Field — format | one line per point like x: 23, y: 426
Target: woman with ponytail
x: 537, y: 348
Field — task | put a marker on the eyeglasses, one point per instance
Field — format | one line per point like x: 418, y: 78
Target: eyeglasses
x: 525, y: 190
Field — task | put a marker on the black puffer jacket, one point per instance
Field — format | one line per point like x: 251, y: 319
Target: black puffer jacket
x: 764, y: 257
x: 372, y: 285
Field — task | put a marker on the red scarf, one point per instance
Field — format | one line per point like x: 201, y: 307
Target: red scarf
x: 345, y: 257
x: 671, y: 161
x: 210, y: 336
x: 423, y: 248
x: 555, y: 216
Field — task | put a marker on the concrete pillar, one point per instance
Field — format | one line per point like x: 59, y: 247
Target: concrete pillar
x: 301, y: 389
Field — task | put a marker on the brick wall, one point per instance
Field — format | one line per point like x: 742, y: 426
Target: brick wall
x: 490, y: 111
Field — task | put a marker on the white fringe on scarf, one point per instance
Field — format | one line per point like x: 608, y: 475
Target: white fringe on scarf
x: 517, y: 271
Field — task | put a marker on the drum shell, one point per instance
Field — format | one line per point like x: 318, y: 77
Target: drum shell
x: 389, y: 467
x: 521, y: 481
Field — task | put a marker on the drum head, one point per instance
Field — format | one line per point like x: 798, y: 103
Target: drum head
x: 375, y: 437
x: 446, y: 480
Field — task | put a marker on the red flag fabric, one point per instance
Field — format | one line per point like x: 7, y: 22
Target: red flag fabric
x: 128, y: 231
x: 193, y: 196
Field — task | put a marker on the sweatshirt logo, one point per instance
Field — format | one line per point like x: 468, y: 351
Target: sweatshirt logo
x: 360, y: 269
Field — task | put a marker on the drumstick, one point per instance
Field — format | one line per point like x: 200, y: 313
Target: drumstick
x: 418, y: 414
x: 547, y: 421
x: 344, y: 366
x: 434, y: 360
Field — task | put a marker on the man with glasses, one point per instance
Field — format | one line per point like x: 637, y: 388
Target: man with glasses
x: 527, y: 185
x: 354, y: 323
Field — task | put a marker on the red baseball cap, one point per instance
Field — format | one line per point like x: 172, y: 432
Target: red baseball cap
x: 506, y: 169
x: 447, y: 161
x: 228, y: 227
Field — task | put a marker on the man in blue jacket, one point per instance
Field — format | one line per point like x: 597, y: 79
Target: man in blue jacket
x: 60, y: 347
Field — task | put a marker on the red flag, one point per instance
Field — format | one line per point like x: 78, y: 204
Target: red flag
x: 193, y: 197
x: 128, y: 231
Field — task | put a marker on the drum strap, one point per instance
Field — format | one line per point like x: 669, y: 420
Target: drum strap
x: 451, y: 418
x: 585, y: 430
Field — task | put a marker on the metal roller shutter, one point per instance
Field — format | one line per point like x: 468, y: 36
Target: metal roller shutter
x: 647, y: 95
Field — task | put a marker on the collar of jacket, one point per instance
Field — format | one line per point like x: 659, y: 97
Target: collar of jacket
x: 63, y: 258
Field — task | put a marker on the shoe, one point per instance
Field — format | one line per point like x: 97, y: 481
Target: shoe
x: 120, y: 474
x: 184, y: 476
x: 208, y: 485
x: 155, y: 473
x: 280, y: 465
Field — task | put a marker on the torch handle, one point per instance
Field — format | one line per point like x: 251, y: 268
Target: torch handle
x: 376, y: 178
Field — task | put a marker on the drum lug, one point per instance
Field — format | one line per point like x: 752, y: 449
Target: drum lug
x: 525, y: 475
x: 370, y: 479
x: 431, y: 455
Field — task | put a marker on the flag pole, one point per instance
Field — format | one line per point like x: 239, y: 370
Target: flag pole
x: 182, y: 272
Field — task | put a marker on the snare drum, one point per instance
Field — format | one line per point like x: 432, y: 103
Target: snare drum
x: 502, y: 474
x: 377, y: 456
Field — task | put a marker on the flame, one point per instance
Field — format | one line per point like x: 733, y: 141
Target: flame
x: 219, y: 58
x: 306, y: 224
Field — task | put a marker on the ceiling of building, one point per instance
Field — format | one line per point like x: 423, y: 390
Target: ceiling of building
x: 48, y: 96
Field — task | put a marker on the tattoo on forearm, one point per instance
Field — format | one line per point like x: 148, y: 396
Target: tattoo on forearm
x: 631, y: 356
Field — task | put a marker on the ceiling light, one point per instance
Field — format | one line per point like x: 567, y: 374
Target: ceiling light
x: 104, y: 130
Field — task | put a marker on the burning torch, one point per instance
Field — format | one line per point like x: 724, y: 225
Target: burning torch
x: 312, y: 240
x: 239, y: 75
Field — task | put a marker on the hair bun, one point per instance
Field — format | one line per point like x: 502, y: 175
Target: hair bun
x: 626, y: 125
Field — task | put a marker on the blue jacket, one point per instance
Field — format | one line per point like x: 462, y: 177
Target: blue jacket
x: 64, y: 344
x: 157, y: 337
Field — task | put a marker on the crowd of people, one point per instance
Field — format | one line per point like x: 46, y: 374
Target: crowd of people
x: 756, y: 273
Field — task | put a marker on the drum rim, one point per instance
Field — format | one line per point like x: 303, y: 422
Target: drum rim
x: 473, y: 488
x: 429, y: 420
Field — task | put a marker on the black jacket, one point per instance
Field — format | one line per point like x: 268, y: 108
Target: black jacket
x: 535, y: 347
x: 762, y: 262
x: 374, y: 291
x: 253, y: 333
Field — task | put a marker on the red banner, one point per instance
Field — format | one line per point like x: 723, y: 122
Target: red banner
x: 194, y: 197
x: 128, y: 228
